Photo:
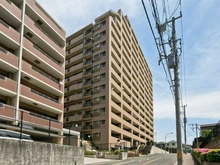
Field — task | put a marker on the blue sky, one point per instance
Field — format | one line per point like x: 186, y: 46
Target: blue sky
x: 201, y: 35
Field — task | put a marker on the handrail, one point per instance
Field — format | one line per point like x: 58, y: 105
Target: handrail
x: 45, y: 96
x: 43, y: 52
x: 4, y: 23
x: 2, y: 77
x: 47, y: 35
x: 44, y: 74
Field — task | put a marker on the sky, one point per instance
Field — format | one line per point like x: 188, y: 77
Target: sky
x: 200, y: 64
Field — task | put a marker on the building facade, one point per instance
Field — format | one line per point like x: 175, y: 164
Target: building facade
x: 32, y: 57
x: 108, y: 84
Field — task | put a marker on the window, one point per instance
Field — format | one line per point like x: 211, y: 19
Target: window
x: 97, y: 46
x: 102, y: 64
x: 102, y: 86
x: 96, y: 111
x: 97, y: 88
x: 102, y: 75
x: 102, y: 54
x: 68, y: 88
x: 103, y: 23
x: 96, y: 67
x: 103, y: 121
x: 97, y: 56
x: 68, y: 79
x: 95, y: 122
x: 103, y: 33
x: 67, y: 119
x: 96, y: 78
x: 96, y: 25
x: 102, y: 98
x: 96, y: 36
x: 102, y: 109
x: 67, y: 109
x: 67, y: 98
x: 97, y: 99
x: 103, y: 43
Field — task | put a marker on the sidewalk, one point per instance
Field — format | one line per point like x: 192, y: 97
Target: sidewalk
x: 188, y: 160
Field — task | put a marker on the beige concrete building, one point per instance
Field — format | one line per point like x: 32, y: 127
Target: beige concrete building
x: 108, y: 84
x: 32, y: 56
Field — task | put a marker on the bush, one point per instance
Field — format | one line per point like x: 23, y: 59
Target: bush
x: 213, y: 155
x: 89, y: 152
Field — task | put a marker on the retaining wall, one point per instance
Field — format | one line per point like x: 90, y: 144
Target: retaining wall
x: 36, y: 153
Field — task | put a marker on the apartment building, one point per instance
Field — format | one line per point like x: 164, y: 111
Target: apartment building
x: 32, y: 57
x: 108, y: 84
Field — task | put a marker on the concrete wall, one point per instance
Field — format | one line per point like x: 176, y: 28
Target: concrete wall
x: 36, y: 153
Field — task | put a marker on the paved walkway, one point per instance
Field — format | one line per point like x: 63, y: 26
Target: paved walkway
x: 187, y: 160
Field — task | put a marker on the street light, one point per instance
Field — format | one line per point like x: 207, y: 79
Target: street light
x: 165, y: 139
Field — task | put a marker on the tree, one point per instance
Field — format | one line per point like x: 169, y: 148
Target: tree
x: 205, y: 133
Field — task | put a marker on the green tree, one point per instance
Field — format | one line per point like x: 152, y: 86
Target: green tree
x: 205, y: 133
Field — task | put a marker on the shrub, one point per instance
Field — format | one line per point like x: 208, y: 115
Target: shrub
x: 89, y: 152
x: 213, y: 155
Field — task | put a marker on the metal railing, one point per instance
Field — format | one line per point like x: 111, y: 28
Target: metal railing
x: 45, y: 75
x: 3, y: 50
x: 48, y: 35
x: 4, y: 23
x: 45, y: 96
x: 2, y: 77
x: 47, y: 55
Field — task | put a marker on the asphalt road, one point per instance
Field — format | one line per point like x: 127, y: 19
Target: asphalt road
x: 161, y: 159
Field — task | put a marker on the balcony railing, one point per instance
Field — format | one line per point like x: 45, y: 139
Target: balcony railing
x: 88, y: 93
x: 4, y: 23
x: 42, y: 73
x: 2, y: 77
x: 3, y: 50
x: 88, y: 104
x: 43, y: 52
x: 88, y: 115
x: 45, y: 96
x: 47, y: 35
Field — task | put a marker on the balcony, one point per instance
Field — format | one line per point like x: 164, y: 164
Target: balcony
x: 41, y: 79
x: 88, y: 104
x: 87, y: 127
x: 12, y: 8
x: 37, y: 120
x: 75, y: 41
x: 73, y: 87
x: 72, y: 108
x: 75, y: 118
x: 74, y: 68
x: 7, y: 112
x: 33, y: 97
x: 88, y: 73
x: 75, y: 50
x: 88, y: 94
x: 8, y: 87
x: 87, y: 116
x: 74, y: 78
x: 9, y: 36
x: 8, y: 61
x: 47, y: 62
x: 73, y: 97
x: 41, y: 35
x: 47, y: 19
x: 88, y: 63
x: 88, y: 43
x: 74, y: 60
x: 88, y: 83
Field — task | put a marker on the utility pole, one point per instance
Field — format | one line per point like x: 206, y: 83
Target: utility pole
x: 177, y: 95
x: 197, y: 141
x: 185, y: 121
